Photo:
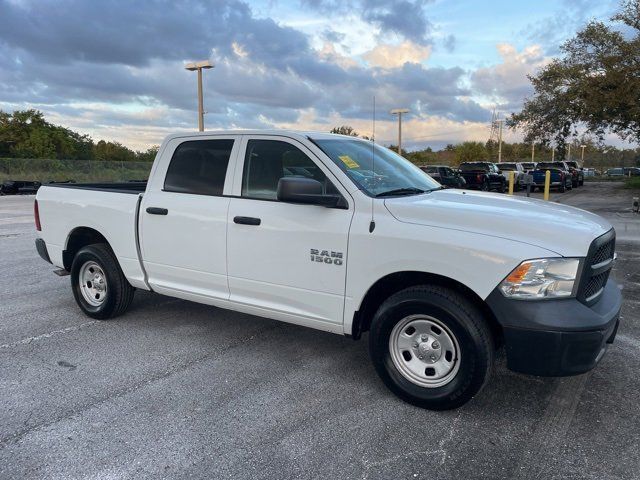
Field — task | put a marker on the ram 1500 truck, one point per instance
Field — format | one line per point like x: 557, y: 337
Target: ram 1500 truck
x: 560, y: 176
x: 485, y: 176
x: 341, y: 235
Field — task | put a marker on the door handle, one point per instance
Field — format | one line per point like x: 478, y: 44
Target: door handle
x: 246, y: 220
x: 157, y: 211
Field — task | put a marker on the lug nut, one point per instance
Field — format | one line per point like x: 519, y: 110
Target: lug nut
x: 421, y: 357
x: 424, y: 338
x: 415, y: 345
x: 435, y: 345
x: 433, y: 358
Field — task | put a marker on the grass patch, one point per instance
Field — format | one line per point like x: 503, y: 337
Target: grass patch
x: 632, y: 183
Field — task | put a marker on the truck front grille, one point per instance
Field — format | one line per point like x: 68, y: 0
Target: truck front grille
x: 597, y: 267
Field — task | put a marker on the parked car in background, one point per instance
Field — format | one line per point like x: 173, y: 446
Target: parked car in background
x: 518, y: 175
x: 577, y: 173
x: 614, y: 172
x: 446, y: 176
x: 528, y: 166
x: 19, y: 187
x: 484, y: 176
x: 561, y: 177
x: 589, y: 172
x: 631, y: 171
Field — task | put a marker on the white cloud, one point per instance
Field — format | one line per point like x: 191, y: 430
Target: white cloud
x: 507, y: 82
x: 394, y: 56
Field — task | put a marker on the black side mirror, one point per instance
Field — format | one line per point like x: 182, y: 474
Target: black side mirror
x: 307, y: 191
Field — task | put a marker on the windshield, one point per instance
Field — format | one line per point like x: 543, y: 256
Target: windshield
x: 393, y: 174
x: 556, y: 165
x: 471, y: 167
x: 507, y: 166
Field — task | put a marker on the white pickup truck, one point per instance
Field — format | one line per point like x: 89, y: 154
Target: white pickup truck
x: 339, y: 234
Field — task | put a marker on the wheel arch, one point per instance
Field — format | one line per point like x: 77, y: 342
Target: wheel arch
x: 392, y: 283
x: 78, y: 238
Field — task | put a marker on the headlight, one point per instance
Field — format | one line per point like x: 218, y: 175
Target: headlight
x: 542, y: 278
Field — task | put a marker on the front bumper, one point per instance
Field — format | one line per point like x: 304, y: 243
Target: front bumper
x: 554, y: 338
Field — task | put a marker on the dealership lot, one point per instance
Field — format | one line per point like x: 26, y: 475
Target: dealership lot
x: 175, y: 389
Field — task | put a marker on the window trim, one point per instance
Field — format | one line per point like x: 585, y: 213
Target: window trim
x: 240, y: 166
x: 229, y: 171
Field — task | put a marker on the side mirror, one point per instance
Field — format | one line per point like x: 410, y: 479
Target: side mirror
x: 307, y: 191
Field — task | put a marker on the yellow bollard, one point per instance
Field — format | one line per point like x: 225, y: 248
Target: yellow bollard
x: 511, y: 177
x: 547, y: 184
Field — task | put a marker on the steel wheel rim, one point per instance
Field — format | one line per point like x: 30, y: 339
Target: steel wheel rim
x: 93, y: 283
x: 424, y: 351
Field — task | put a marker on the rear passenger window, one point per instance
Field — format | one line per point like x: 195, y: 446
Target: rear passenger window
x: 199, y: 167
x: 267, y: 161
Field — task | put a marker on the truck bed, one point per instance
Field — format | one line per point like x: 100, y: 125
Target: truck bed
x: 108, y: 208
x: 116, y: 187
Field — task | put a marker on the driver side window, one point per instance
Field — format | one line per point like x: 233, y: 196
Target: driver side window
x: 267, y: 161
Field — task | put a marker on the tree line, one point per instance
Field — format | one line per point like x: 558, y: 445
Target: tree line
x: 26, y: 134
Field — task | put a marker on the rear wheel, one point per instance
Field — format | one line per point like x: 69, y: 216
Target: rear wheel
x: 485, y: 187
x: 99, y: 286
x: 562, y: 188
x: 502, y: 187
x: 431, y: 347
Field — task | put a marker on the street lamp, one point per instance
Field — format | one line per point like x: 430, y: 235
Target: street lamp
x: 198, y: 67
x: 399, y: 112
x: 582, y: 157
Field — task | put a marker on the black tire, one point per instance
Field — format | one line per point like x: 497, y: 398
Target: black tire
x: 119, y: 293
x: 502, y: 187
x: 562, y: 188
x: 485, y: 187
x: 581, y: 183
x: 464, y: 321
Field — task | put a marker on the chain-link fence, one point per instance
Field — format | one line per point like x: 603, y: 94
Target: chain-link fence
x: 44, y: 170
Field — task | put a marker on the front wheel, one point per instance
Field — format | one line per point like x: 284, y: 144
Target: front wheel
x: 99, y: 286
x: 431, y: 347
x: 485, y: 187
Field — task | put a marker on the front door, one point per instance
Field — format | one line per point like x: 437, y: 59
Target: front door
x: 183, y: 227
x: 286, y: 260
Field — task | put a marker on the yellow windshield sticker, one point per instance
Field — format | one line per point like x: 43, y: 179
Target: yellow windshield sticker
x: 348, y: 161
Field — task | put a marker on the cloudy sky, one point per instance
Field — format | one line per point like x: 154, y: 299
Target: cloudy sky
x: 114, y: 68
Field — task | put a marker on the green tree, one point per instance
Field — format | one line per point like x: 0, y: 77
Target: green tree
x: 594, y: 86
x: 470, y: 152
x: 344, y: 130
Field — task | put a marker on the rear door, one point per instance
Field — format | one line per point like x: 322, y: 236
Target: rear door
x: 183, y: 218
x: 286, y: 259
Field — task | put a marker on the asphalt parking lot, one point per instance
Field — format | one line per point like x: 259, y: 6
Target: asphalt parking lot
x: 175, y: 389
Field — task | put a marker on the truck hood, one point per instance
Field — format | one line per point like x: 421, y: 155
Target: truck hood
x: 564, y: 230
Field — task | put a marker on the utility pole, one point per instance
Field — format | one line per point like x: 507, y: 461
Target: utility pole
x: 198, y: 67
x: 533, y: 152
x: 569, y: 154
x: 582, y: 156
x: 399, y: 112
x: 500, y: 141
x: 553, y: 153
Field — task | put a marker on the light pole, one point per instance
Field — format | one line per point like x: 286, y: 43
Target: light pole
x: 533, y: 152
x: 399, y: 112
x: 499, y: 141
x: 553, y: 153
x: 569, y: 154
x: 582, y: 156
x: 198, y: 67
